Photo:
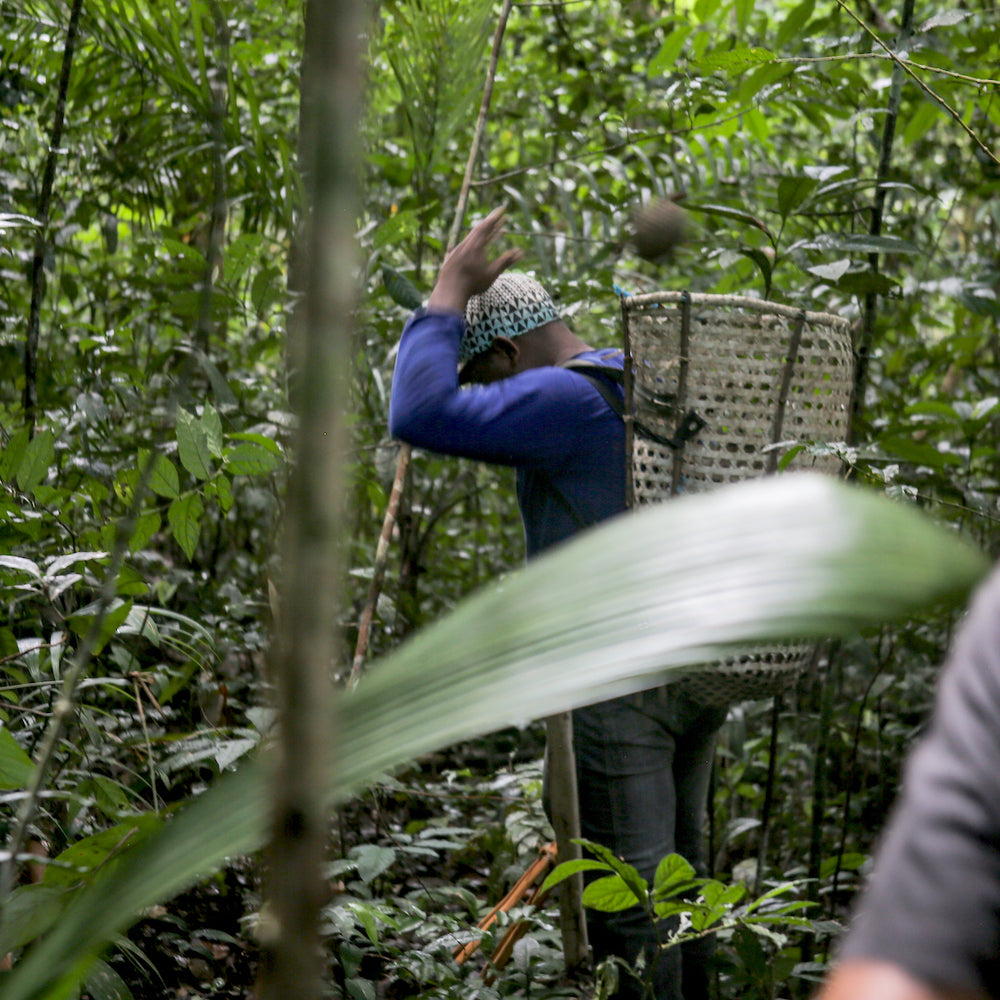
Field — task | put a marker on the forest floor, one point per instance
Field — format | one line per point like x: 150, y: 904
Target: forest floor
x: 200, y: 944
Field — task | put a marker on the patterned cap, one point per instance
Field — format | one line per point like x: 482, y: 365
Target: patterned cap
x: 514, y: 304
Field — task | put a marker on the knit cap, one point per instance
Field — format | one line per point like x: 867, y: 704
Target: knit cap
x: 514, y: 304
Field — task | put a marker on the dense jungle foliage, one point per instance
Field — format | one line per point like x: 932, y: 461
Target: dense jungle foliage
x: 831, y: 154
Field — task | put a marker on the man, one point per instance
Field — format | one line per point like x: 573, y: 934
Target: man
x: 928, y: 924
x: 642, y: 761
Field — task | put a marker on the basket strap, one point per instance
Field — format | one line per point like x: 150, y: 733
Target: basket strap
x: 678, y: 464
x: 628, y: 417
x: 778, y: 421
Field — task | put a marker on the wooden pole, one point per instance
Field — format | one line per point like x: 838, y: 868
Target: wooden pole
x: 405, y: 452
x: 303, y: 647
x: 561, y: 761
x: 564, y: 807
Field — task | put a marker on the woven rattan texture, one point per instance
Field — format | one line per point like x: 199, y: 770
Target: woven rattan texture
x: 735, y: 376
x: 735, y: 363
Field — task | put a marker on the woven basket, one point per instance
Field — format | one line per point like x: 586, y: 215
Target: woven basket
x: 718, y: 388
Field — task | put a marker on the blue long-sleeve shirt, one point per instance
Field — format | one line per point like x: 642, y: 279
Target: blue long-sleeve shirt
x: 550, y: 423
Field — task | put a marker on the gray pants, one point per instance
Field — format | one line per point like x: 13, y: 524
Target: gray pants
x: 643, y: 764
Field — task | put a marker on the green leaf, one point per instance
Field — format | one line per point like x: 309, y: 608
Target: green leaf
x: 193, y: 445
x: 372, y: 860
x: 610, y: 895
x: 240, y: 254
x: 622, y: 606
x: 184, y: 517
x: 104, y: 983
x: 60, y: 563
x: 38, y: 456
x: 792, y: 27
x: 222, y: 489
x: 866, y: 282
x: 567, y: 868
x: 792, y: 192
x: 163, y: 477
x: 725, y: 212
x: 212, y: 424
x: 30, y: 910
x: 401, y: 290
x: 146, y: 526
x: 396, y: 228
x: 12, y: 453
x: 22, y: 565
x: 82, y: 858
x: 849, y: 862
x: 15, y: 764
x: 674, y: 874
x: 735, y: 61
x: 251, y: 459
x: 82, y: 621
x: 664, y: 60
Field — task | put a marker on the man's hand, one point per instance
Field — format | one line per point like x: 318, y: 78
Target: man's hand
x: 467, y: 271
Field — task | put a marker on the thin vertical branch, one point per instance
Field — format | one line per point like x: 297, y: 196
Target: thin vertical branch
x: 217, y: 86
x: 772, y: 770
x: 403, y: 460
x: 870, y: 311
x: 44, y: 210
x: 477, y: 138
x: 303, y: 647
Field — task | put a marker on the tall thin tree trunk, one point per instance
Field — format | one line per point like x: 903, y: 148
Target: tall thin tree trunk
x: 869, y: 316
x: 44, y: 208
x: 303, y: 651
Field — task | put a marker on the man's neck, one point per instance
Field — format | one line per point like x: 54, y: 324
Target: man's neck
x: 551, y: 344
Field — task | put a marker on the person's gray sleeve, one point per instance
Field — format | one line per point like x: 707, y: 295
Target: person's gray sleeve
x: 932, y: 906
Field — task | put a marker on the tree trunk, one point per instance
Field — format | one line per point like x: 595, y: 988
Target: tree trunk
x: 303, y: 650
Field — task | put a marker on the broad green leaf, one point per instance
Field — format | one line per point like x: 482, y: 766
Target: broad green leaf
x: 240, y: 254
x: 13, y: 452
x: 38, y: 456
x: 83, y: 620
x: 193, y: 445
x: 57, y: 565
x: 625, y: 605
x: 103, y: 983
x: 401, y: 290
x: 733, y: 61
x: 670, y: 51
x: 81, y: 859
x: 794, y: 23
x: 146, y: 526
x: 28, y: 911
x: 396, y: 228
x: 831, y: 272
x: 865, y: 282
x: 609, y: 895
x: 248, y: 458
x: 164, y: 480
x: 674, y: 874
x: 22, y: 565
x: 372, y: 860
x: 15, y: 764
x: 211, y: 422
x: 222, y: 489
x: 623, y: 870
x: 184, y: 517
x: 793, y: 191
x: 563, y: 871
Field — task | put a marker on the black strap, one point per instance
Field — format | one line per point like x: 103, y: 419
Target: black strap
x: 601, y: 378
